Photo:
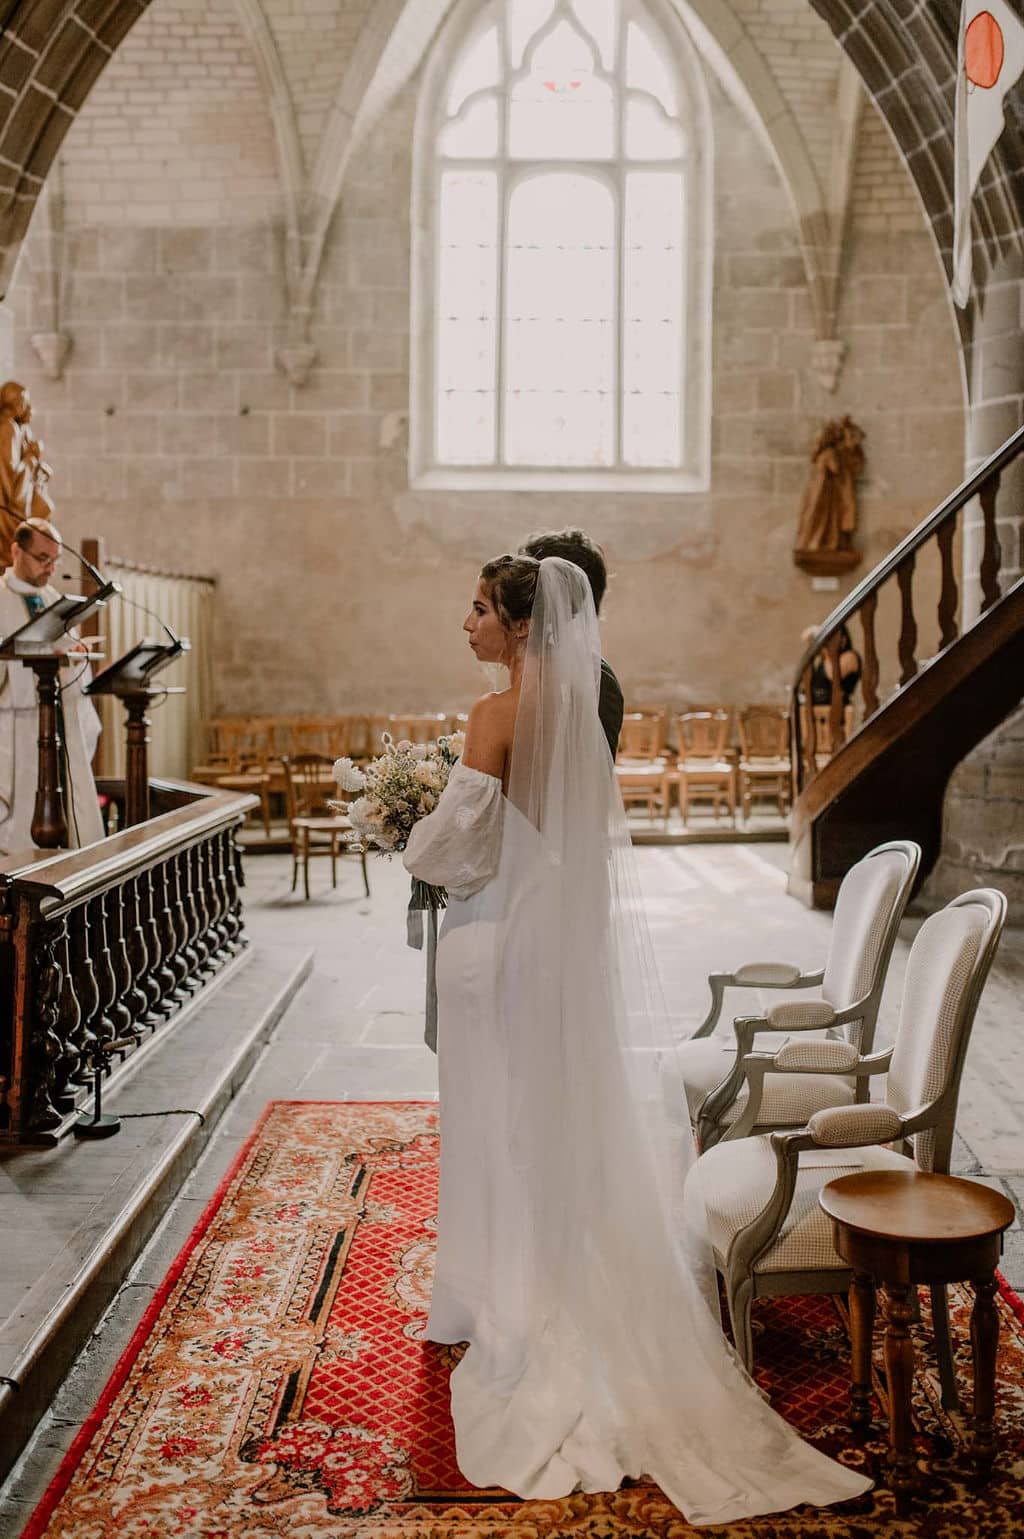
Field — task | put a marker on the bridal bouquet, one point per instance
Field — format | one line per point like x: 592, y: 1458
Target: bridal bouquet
x: 397, y: 789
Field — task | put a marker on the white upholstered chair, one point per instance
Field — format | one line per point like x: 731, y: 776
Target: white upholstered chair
x: 759, y: 1195
x: 869, y: 906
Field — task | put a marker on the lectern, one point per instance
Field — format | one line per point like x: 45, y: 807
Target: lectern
x: 35, y: 645
x: 130, y: 679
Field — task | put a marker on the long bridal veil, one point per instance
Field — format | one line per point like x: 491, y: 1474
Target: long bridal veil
x: 605, y: 1357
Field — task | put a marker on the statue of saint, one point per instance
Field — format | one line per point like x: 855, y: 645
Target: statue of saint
x: 23, y: 471
x: 828, y: 514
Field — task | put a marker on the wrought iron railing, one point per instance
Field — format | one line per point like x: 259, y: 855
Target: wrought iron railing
x: 101, y: 947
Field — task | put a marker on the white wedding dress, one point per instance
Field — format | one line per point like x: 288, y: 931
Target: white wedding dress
x: 564, y: 1255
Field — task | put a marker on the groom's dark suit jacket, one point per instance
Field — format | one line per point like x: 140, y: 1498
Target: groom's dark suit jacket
x: 610, y: 707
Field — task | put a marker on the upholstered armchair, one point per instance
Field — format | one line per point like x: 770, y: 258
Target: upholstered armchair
x: 759, y: 1195
x: 869, y: 906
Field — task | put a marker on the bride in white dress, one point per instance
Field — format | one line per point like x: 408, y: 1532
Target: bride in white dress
x: 564, y: 1256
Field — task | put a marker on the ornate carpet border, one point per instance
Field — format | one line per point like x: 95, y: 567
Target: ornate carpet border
x: 62, y: 1479
x: 69, y: 1464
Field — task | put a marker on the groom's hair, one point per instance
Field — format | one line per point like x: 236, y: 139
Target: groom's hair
x: 575, y: 546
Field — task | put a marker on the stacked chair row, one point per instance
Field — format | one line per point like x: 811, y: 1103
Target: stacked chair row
x: 776, y: 1123
x: 709, y: 754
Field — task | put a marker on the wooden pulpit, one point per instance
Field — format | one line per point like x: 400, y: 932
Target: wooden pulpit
x: 35, y: 644
x: 130, y: 679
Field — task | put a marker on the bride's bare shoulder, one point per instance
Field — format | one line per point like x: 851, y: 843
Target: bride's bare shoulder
x: 489, y: 732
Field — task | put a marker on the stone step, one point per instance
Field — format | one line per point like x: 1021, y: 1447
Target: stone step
x: 75, y: 1218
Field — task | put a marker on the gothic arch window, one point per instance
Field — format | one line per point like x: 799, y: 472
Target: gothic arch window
x: 561, y: 284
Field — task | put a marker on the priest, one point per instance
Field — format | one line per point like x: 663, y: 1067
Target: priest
x: 25, y: 589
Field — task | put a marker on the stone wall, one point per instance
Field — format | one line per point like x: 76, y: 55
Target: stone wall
x: 175, y: 435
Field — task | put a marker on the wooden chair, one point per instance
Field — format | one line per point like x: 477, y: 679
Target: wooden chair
x: 765, y: 767
x: 315, y: 828
x: 759, y: 1197
x: 640, y: 765
x: 705, y: 766
x: 249, y: 751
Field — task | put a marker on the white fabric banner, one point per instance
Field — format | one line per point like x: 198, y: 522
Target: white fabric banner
x: 990, y: 59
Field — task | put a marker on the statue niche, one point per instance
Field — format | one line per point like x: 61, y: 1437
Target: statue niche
x: 828, y: 513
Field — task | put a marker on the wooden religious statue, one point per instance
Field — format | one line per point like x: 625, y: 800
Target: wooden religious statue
x: 828, y: 514
x: 23, y: 471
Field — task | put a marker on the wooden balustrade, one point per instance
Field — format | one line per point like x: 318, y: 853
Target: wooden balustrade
x: 812, y: 744
x: 100, y: 948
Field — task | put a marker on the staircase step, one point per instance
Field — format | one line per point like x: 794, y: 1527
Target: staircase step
x: 82, y: 1212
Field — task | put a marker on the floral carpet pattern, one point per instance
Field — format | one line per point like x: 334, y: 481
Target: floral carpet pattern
x: 278, y: 1384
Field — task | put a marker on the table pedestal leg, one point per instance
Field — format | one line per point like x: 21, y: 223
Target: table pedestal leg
x: 899, y: 1369
x: 862, y: 1320
x: 984, y: 1340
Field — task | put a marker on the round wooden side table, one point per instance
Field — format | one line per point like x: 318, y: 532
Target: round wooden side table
x: 898, y: 1229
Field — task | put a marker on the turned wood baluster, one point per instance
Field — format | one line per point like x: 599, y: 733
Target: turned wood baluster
x: 86, y: 989
x: 43, y: 1050
x: 179, y: 922
x: 220, y: 898
x: 137, y: 999
x: 808, y: 732
x: 106, y: 982
x: 69, y: 1020
x: 992, y: 554
x: 117, y: 941
x: 189, y: 918
x: 236, y: 881
x: 908, y: 624
x: 174, y: 969
x: 949, y: 596
x: 869, y: 678
x: 153, y: 980
x: 205, y: 938
x: 837, y: 706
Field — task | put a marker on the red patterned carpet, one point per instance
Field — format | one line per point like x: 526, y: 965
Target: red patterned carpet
x: 278, y: 1384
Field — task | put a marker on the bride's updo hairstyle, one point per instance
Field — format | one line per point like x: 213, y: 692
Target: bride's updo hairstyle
x: 511, y: 583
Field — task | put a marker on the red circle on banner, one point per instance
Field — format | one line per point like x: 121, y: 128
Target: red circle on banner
x: 984, y: 50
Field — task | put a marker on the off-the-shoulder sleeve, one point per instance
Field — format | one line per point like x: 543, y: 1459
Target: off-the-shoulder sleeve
x: 459, y: 845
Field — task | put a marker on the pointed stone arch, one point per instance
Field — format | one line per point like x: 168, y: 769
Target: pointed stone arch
x: 52, y: 53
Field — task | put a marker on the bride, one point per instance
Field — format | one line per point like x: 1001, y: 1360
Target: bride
x: 564, y: 1255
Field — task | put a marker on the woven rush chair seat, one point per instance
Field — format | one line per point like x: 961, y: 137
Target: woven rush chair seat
x: 759, y: 1195
x: 871, y: 903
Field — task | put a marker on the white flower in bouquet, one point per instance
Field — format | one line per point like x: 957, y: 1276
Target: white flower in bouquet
x: 400, y: 787
x: 348, y: 776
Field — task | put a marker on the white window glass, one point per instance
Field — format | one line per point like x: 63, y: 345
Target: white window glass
x: 557, y: 338
x: 653, y: 342
x: 650, y: 135
x: 646, y: 69
x: 561, y: 110
x: 467, y: 318
x: 474, y: 133
x: 560, y: 312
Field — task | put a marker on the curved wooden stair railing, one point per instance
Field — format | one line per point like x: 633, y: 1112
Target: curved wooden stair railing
x: 888, y: 779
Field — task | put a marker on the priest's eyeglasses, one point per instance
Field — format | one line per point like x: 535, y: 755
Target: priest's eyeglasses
x: 43, y: 558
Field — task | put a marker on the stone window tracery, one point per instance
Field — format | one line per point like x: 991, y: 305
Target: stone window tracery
x: 561, y: 296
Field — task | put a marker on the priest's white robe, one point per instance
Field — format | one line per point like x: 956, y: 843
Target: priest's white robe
x: 19, y: 736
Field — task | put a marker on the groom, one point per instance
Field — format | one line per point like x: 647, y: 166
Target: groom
x: 575, y: 546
